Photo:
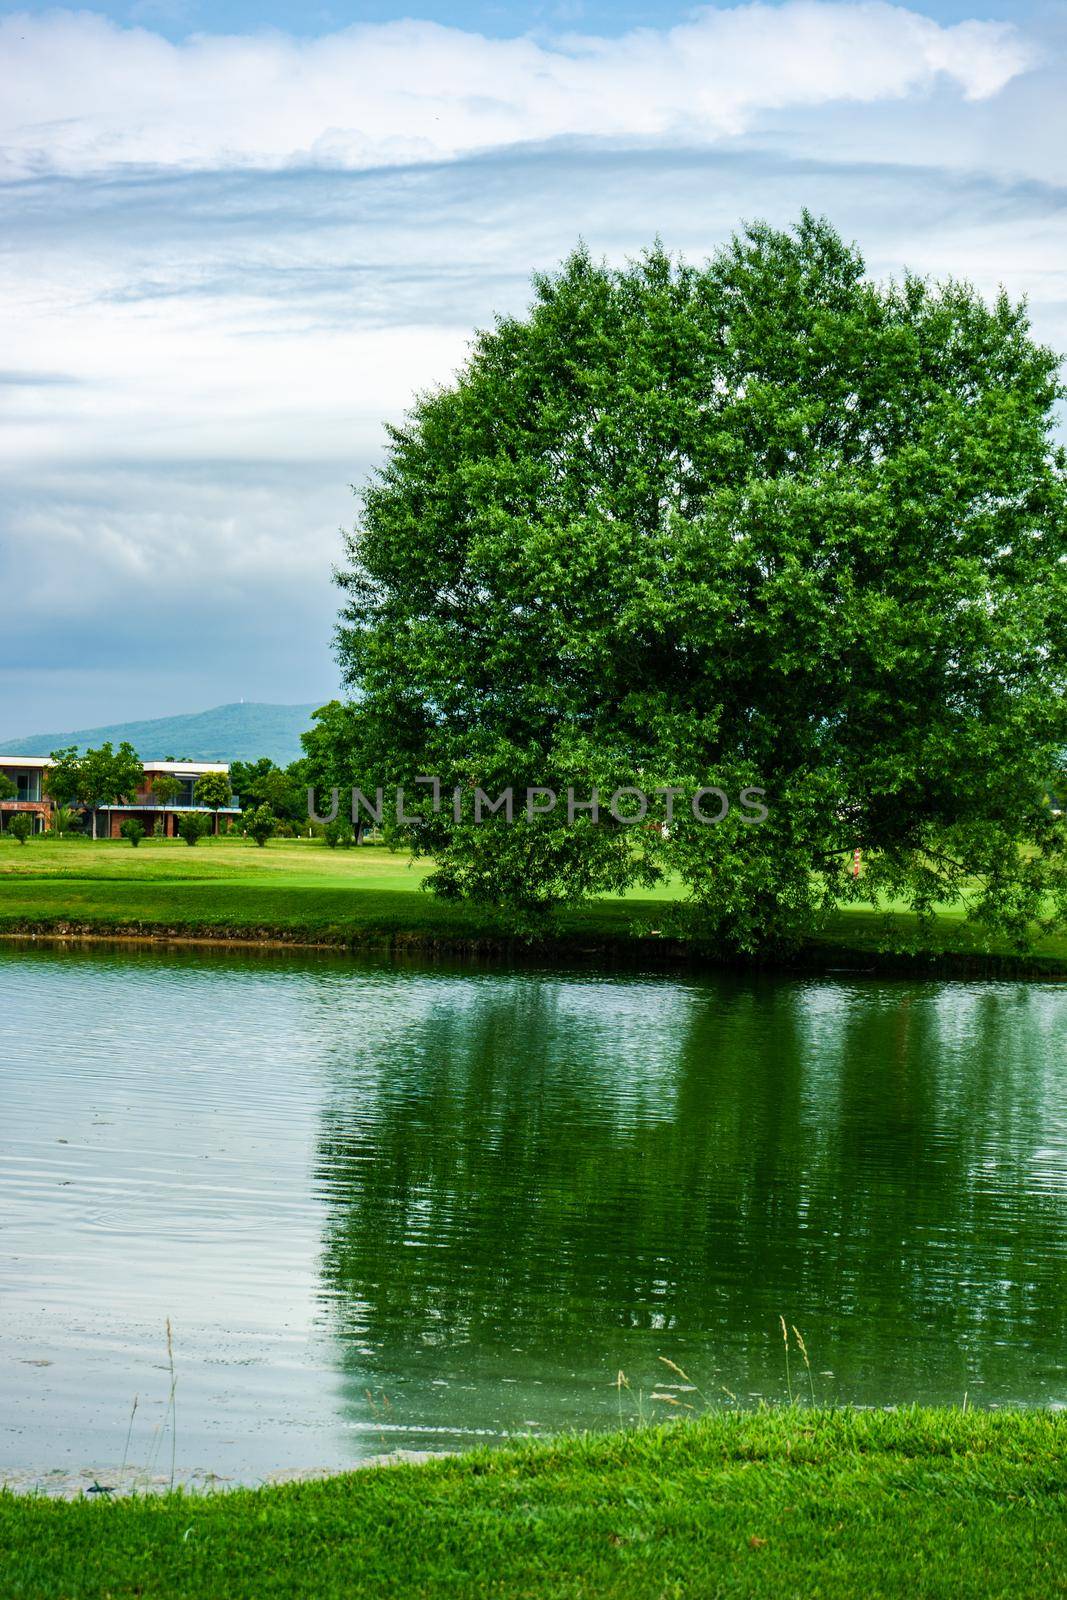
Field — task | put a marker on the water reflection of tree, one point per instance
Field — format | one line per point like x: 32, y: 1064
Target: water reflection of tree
x: 863, y: 1160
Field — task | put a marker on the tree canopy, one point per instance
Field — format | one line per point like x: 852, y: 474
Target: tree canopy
x: 212, y: 789
x: 64, y: 770
x: 760, y: 522
x: 262, y: 783
x: 165, y: 788
x: 96, y: 778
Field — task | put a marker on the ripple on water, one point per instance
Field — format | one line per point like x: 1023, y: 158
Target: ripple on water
x: 399, y: 1207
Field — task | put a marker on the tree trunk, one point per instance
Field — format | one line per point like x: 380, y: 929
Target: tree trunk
x: 94, y: 822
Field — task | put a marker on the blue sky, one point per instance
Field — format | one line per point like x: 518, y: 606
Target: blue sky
x: 176, y: 19
x: 228, y: 259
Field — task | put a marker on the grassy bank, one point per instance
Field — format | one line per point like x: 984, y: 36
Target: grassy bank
x: 299, y: 891
x: 787, y: 1502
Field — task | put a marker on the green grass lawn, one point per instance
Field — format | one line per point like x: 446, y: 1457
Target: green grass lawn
x: 788, y: 1502
x: 298, y: 889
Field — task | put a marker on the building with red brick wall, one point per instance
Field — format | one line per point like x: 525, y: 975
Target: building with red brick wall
x: 30, y: 776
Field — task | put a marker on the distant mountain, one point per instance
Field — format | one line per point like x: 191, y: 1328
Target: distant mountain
x: 228, y: 733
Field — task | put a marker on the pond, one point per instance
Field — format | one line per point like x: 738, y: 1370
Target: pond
x: 396, y: 1206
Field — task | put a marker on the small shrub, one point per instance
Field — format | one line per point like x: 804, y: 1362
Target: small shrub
x: 261, y: 824
x: 132, y: 830
x: 192, y: 827
x: 157, y: 829
x: 338, y: 833
x: 20, y: 826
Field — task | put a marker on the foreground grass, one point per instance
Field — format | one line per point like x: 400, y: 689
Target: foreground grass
x: 787, y: 1502
x: 298, y: 890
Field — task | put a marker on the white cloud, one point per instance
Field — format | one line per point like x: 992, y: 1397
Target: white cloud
x: 202, y: 365
x: 82, y: 94
x: 221, y: 376
x: 198, y: 362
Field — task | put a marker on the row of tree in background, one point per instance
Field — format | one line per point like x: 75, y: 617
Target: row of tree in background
x: 107, y: 776
x: 259, y: 824
x: 273, y: 798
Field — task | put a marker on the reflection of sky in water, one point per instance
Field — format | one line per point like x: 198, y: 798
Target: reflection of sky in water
x: 478, y: 1196
x: 629, y: 1027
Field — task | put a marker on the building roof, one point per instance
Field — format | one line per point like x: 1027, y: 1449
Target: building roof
x: 180, y: 769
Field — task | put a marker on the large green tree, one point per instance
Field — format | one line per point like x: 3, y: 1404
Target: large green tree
x: 64, y: 775
x: 212, y: 789
x: 106, y: 775
x: 762, y: 522
x: 329, y: 743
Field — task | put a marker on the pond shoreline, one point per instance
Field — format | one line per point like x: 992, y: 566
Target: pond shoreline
x: 121, y: 1483
x: 615, y: 953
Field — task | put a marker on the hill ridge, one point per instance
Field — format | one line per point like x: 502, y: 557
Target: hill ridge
x: 241, y: 731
